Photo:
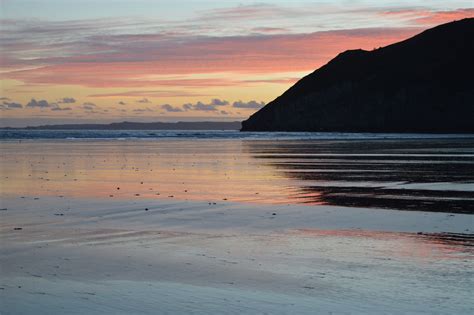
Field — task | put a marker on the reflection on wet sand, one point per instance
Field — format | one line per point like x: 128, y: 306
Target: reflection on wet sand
x: 183, y: 224
x: 378, y: 174
x: 428, y: 175
x: 414, y: 245
x: 402, y: 199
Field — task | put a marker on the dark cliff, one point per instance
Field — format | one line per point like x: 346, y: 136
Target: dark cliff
x: 423, y: 84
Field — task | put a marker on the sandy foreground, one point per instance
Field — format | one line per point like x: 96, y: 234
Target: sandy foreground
x: 231, y: 226
x: 114, y: 256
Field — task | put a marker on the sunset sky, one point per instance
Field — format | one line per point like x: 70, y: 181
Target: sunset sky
x: 143, y: 60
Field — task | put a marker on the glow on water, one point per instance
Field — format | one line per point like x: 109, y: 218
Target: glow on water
x: 340, y: 172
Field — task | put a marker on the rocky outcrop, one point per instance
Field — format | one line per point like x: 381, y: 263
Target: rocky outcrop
x: 423, y: 84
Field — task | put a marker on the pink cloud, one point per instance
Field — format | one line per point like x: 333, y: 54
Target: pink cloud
x: 275, y: 81
x: 130, y: 60
x: 429, y: 17
x: 440, y: 17
x: 270, y: 30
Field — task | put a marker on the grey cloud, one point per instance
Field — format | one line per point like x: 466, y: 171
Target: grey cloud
x: 169, y: 108
x: 61, y: 108
x: 250, y: 104
x: 204, y: 107
x: 270, y: 30
x: 218, y: 102
x: 12, y: 105
x: 142, y: 110
x: 39, y: 104
x: 200, y: 106
x: 89, y: 106
x: 67, y: 100
x: 188, y: 106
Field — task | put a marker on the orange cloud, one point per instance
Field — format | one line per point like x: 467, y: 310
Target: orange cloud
x: 445, y: 16
x: 129, y: 66
x: 430, y: 18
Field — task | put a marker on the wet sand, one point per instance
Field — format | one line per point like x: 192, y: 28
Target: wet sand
x: 236, y: 227
x: 428, y: 175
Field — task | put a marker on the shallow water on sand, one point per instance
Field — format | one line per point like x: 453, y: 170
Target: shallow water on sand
x: 408, y: 174
x: 215, y: 226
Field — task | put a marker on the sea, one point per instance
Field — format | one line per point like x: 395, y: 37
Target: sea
x: 19, y: 134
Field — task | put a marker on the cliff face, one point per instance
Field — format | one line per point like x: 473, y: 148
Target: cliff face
x: 423, y: 84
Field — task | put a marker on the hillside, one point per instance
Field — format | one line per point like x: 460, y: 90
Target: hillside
x: 423, y: 84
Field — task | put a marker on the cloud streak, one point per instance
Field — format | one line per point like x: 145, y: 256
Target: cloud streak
x: 218, y: 52
x: 248, y: 105
x: 67, y: 100
x: 144, y: 101
x: 12, y: 105
x: 209, y: 107
x: 38, y: 104
x: 61, y: 108
x: 149, y: 93
x: 425, y: 17
x: 171, y: 109
x: 133, y: 64
x: 89, y: 106
x: 40, y: 52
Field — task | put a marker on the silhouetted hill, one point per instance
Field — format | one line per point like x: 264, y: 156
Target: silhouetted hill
x: 423, y: 84
x: 180, y: 125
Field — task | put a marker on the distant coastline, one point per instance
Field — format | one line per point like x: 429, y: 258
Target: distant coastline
x: 127, y: 125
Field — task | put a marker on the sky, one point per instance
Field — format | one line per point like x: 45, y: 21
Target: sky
x: 88, y: 61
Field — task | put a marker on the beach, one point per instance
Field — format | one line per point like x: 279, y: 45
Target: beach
x: 237, y: 225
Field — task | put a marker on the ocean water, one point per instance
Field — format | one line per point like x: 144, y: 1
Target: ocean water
x: 13, y: 134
